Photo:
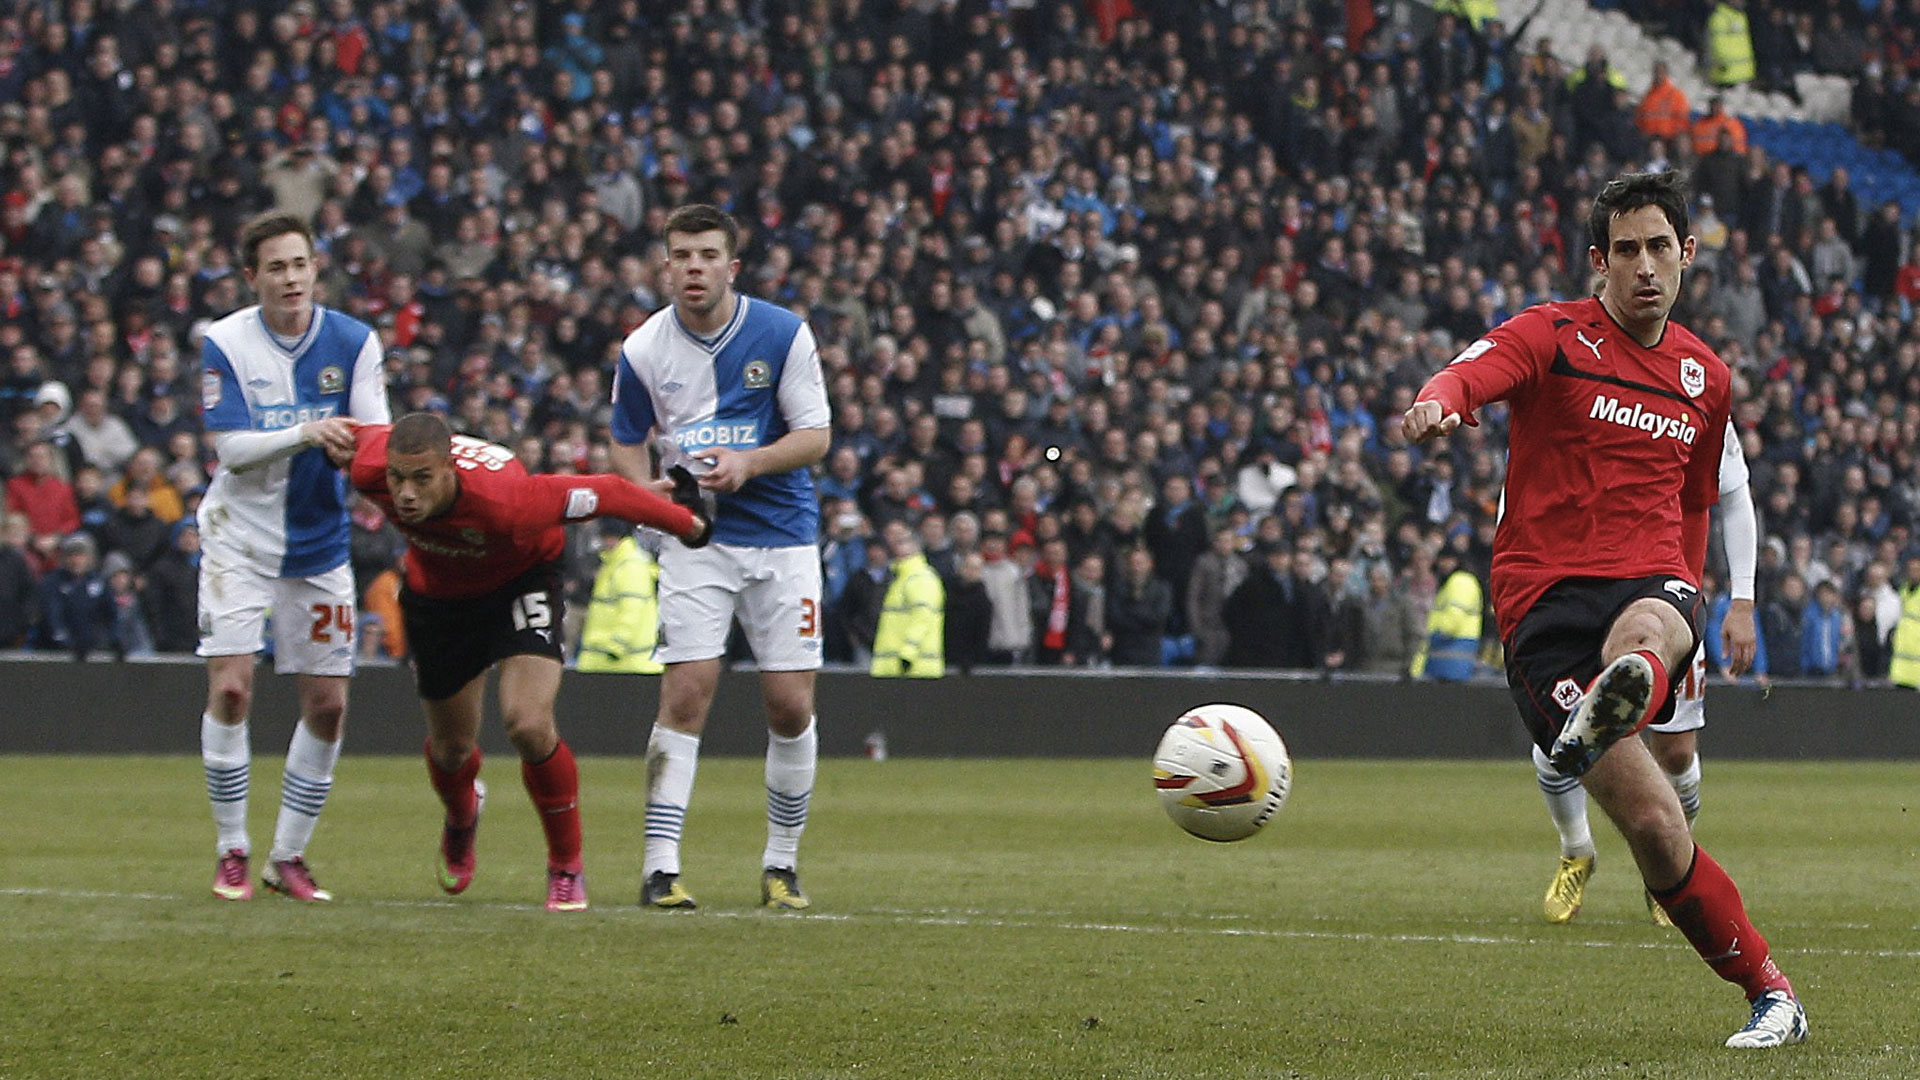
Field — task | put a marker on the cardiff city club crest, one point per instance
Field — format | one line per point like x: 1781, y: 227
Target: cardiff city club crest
x: 332, y: 379
x: 759, y: 375
x: 1693, y: 377
x: 1567, y: 694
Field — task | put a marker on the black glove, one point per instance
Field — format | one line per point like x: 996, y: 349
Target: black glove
x: 687, y: 493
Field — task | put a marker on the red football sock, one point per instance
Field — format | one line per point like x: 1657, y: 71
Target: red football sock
x: 555, y: 787
x: 1662, y: 688
x: 456, y: 788
x: 1706, y: 907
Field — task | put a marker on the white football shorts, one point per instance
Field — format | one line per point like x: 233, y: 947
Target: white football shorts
x: 774, y: 591
x: 313, y: 617
x: 1690, y: 707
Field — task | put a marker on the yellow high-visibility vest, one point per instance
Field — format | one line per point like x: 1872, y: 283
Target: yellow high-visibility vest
x: 623, y: 620
x: 1729, y: 47
x: 1476, y: 13
x: 1905, y: 669
x: 911, y: 638
x: 1453, y: 630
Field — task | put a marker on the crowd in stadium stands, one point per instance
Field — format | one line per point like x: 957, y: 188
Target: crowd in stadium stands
x: 1119, y: 301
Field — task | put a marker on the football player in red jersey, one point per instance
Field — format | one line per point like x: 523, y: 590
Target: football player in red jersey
x: 1617, y: 418
x: 483, y: 587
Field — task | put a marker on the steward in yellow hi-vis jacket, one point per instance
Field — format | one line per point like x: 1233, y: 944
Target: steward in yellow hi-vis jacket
x: 623, y: 620
x: 1905, y: 669
x: 1453, y: 627
x: 911, y: 639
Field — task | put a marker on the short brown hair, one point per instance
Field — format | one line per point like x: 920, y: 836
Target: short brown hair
x: 701, y: 217
x: 420, y: 433
x: 266, y: 227
x: 1630, y: 192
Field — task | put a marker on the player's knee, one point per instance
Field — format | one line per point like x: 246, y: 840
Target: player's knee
x: 790, y: 719
x: 230, y: 700
x: 1651, y: 823
x: 529, y: 728
x: 324, y: 715
x: 1672, y: 757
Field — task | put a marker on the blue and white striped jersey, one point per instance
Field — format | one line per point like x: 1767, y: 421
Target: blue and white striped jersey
x: 288, y: 517
x: 747, y: 386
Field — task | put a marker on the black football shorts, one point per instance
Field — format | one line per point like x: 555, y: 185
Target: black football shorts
x: 1554, y: 652
x: 453, y: 641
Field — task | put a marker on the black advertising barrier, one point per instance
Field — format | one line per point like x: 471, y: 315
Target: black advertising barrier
x: 56, y: 706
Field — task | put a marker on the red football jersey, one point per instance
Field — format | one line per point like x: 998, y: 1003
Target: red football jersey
x: 503, y: 522
x: 1612, y: 444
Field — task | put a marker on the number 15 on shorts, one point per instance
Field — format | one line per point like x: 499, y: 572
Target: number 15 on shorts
x: 531, y: 612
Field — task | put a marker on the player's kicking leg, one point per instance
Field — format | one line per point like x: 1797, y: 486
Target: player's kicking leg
x: 528, y: 687
x: 673, y: 757
x: 1567, y: 805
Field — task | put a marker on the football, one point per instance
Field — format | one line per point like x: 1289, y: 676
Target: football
x: 1222, y: 772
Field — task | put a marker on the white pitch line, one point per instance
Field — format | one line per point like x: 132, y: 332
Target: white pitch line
x: 1029, y: 920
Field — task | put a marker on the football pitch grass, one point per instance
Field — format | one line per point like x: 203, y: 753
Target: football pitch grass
x: 972, y: 919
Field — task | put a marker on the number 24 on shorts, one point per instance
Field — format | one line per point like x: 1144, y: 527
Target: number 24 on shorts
x: 328, y: 618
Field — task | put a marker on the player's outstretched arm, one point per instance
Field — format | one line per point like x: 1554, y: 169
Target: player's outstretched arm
x: 568, y: 499
x: 1493, y: 368
x: 244, y: 450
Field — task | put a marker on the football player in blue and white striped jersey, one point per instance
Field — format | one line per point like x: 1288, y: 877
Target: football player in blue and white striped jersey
x: 280, y: 382
x: 731, y: 387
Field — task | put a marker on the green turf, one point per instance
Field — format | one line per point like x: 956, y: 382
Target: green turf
x: 974, y: 920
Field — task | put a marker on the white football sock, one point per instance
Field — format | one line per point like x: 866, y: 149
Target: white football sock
x: 303, y: 791
x: 672, y: 758
x: 790, y: 767
x: 1686, y: 784
x: 1566, y: 804
x: 226, y: 755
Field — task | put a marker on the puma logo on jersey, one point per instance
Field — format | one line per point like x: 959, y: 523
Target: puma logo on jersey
x: 1594, y: 345
x: 1680, y: 589
x: 1640, y: 418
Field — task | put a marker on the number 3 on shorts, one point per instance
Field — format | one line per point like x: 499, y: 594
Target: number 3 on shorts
x: 530, y: 612
x: 330, y: 617
x: 809, y: 617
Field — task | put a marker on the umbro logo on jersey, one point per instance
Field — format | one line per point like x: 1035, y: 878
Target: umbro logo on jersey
x: 259, y: 384
x: 670, y: 387
x: 1640, y: 418
x: 1581, y: 335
